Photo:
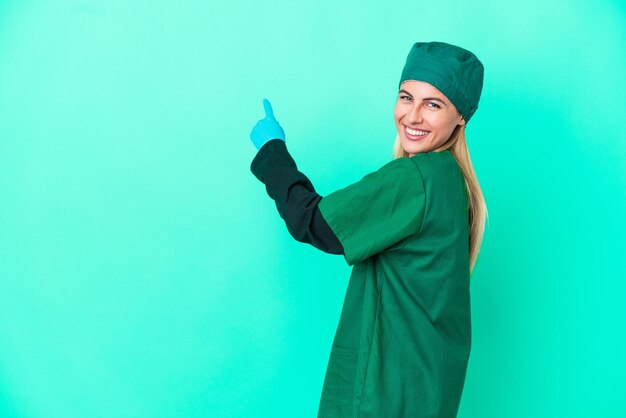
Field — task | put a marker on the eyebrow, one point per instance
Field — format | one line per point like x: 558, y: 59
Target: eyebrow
x: 425, y: 98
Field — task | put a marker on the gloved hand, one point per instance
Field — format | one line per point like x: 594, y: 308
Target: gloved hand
x: 267, y: 128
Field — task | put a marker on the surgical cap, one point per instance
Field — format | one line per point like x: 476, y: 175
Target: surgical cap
x: 454, y: 71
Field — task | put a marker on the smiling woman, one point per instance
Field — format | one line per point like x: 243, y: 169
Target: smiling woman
x: 411, y: 230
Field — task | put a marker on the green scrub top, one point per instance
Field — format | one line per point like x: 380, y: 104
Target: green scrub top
x: 402, y: 344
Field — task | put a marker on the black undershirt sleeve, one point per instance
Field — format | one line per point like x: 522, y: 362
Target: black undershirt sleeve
x: 295, y: 197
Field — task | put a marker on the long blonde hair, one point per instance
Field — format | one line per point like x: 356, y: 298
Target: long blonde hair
x: 477, y: 208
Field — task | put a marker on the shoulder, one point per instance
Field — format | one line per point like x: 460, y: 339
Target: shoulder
x: 436, y: 163
x: 394, y: 170
x: 432, y: 157
x: 401, y: 165
x: 423, y: 164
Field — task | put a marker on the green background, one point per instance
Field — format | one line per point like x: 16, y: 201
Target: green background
x: 144, y: 271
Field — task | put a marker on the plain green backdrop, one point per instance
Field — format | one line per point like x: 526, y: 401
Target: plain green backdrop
x: 144, y: 271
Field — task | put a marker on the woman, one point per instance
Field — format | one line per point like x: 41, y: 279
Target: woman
x: 411, y: 230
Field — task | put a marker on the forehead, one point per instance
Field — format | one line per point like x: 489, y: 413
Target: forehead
x: 421, y: 88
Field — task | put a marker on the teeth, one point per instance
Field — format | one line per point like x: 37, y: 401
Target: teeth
x: 414, y: 132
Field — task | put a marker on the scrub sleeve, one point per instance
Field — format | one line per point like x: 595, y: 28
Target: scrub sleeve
x: 379, y: 211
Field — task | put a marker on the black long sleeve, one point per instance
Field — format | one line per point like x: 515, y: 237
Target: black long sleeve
x: 295, y: 197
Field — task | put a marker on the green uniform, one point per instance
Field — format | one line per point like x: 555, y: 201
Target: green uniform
x: 403, y: 340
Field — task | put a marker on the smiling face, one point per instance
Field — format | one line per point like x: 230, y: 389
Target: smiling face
x: 422, y: 107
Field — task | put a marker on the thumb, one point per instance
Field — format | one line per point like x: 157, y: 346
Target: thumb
x: 269, y: 113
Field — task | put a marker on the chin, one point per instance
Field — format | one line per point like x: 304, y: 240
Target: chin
x: 410, y: 147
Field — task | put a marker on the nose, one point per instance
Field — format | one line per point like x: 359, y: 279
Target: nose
x: 414, y: 116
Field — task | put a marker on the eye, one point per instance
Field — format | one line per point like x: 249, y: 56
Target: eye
x: 435, y: 104
x: 405, y: 96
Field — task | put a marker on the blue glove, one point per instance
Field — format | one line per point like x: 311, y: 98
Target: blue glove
x: 267, y: 128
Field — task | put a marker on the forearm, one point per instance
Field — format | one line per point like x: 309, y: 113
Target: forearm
x: 295, y: 197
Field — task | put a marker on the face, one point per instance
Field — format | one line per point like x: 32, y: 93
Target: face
x: 420, y: 106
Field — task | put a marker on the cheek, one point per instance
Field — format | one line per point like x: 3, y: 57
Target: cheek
x: 397, y: 114
x: 443, y: 129
x: 440, y: 123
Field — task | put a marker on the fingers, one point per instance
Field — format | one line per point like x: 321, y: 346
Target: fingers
x: 269, y: 113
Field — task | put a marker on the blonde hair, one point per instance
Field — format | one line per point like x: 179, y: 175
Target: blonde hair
x: 477, y: 208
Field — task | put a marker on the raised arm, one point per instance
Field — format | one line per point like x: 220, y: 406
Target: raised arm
x: 295, y: 196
